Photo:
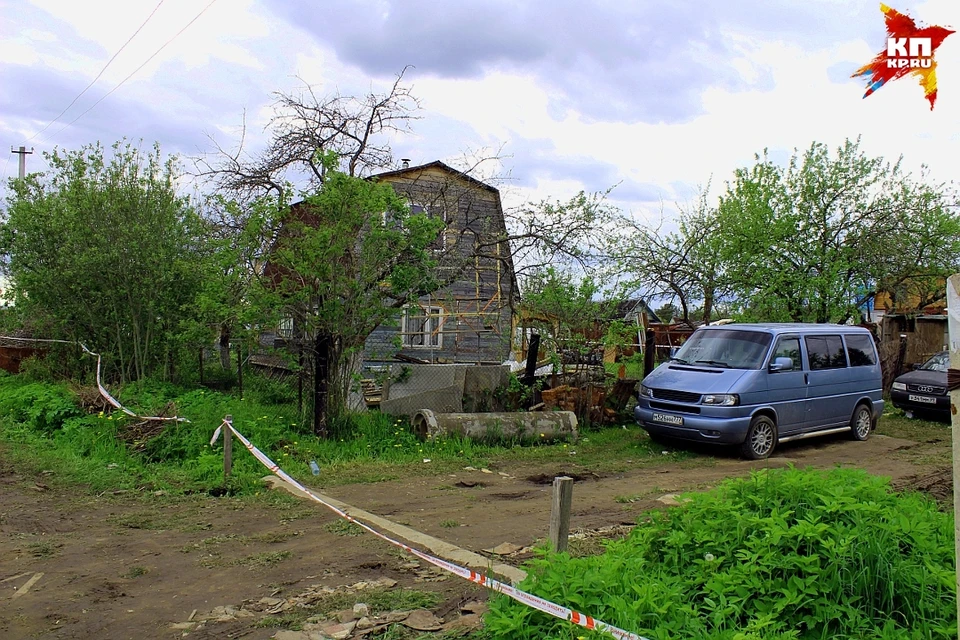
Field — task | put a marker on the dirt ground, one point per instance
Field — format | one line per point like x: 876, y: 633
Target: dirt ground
x: 124, y: 567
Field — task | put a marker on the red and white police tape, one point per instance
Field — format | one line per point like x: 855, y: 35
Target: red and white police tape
x: 103, y: 390
x: 495, y: 585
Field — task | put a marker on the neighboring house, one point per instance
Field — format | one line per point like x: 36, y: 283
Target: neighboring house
x: 469, y: 318
x: 634, y: 311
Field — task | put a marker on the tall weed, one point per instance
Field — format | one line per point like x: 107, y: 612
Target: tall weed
x: 782, y: 554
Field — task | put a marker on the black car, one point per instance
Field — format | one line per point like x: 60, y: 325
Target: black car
x: 923, y: 391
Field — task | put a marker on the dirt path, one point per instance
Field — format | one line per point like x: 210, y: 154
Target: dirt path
x: 123, y: 567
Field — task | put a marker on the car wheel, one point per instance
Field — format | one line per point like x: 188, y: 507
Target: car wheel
x: 761, y: 439
x: 861, y: 423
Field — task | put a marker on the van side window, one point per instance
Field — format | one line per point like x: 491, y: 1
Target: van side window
x: 826, y: 352
x: 788, y: 348
x: 860, y: 350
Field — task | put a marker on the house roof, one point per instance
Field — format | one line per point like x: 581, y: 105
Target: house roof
x: 436, y: 164
x: 636, y: 306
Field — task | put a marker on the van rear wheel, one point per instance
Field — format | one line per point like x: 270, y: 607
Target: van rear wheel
x: 861, y: 423
x: 761, y: 439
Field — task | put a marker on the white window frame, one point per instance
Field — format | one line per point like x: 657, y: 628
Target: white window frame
x: 285, y: 327
x: 429, y: 333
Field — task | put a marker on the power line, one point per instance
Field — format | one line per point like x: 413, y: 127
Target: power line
x: 145, y: 62
x: 92, y: 82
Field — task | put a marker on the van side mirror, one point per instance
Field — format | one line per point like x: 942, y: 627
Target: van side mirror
x: 673, y: 351
x: 781, y: 364
x: 916, y: 366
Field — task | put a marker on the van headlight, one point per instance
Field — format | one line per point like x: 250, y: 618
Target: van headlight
x: 722, y: 399
x: 646, y: 392
x: 899, y: 386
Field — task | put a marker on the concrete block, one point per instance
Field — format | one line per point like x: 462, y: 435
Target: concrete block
x: 445, y: 400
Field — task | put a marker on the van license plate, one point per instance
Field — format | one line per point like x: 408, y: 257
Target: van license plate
x: 667, y: 418
x: 913, y: 398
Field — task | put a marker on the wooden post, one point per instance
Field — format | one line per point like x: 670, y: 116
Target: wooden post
x: 227, y: 448
x: 532, y: 354
x: 649, y: 352
x: 560, y: 512
x: 953, y: 371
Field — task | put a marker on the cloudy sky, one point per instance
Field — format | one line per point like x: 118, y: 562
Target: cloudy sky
x: 655, y: 96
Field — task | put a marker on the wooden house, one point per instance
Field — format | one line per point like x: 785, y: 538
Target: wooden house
x: 469, y: 318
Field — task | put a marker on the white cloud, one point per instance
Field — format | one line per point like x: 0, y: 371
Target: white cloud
x: 758, y: 84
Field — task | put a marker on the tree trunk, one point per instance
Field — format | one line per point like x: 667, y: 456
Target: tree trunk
x: 323, y: 350
x: 707, y: 306
x: 225, y: 347
x: 300, y: 381
x: 240, y: 370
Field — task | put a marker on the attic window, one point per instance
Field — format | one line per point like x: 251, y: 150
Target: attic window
x: 434, y: 210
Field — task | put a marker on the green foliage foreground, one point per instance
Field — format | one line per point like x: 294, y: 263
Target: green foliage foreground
x: 784, y: 554
x: 45, y: 429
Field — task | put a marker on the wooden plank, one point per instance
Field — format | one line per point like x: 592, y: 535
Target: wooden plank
x: 26, y: 587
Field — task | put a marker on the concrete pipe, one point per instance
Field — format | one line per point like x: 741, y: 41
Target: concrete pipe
x: 533, y: 426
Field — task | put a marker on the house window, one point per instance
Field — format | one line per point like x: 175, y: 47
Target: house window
x: 434, y: 210
x: 285, y: 327
x: 422, y: 326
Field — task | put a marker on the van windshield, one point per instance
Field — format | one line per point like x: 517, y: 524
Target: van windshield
x: 726, y: 349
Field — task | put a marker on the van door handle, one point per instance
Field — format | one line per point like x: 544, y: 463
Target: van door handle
x: 806, y: 378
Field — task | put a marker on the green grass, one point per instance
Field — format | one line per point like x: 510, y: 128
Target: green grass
x: 43, y: 428
x: 341, y: 527
x: 933, y: 438
x: 44, y: 548
x: 135, y: 572
x: 782, y: 555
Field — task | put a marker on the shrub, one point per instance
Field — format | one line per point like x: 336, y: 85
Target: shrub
x: 782, y: 554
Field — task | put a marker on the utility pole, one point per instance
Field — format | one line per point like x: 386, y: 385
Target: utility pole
x: 22, y: 152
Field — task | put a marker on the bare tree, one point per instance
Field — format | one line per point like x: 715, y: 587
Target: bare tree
x: 306, y: 127
x: 680, y: 265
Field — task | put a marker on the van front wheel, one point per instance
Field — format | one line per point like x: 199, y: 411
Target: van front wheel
x: 861, y: 423
x: 761, y: 439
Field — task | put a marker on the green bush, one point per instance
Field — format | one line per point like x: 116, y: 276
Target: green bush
x: 782, y: 554
x: 43, y: 406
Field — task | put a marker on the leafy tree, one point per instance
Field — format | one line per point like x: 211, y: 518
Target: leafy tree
x: 314, y: 140
x: 346, y: 259
x: 107, y: 252
x: 815, y: 239
x: 667, y: 312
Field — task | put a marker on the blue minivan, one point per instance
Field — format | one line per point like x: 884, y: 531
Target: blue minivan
x: 756, y: 385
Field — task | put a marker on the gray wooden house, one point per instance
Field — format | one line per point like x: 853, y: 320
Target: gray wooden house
x: 470, y: 318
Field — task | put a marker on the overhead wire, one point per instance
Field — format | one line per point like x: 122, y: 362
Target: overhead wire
x: 145, y: 62
x: 99, y: 75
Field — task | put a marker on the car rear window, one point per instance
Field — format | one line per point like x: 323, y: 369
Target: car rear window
x: 825, y: 352
x: 861, y: 351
